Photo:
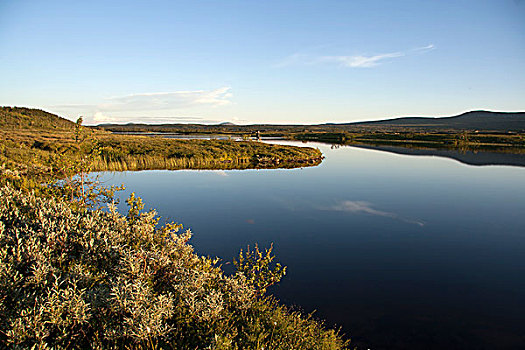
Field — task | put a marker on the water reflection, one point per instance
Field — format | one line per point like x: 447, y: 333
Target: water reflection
x: 467, y: 157
x: 403, y: 252
x: 358, y: 207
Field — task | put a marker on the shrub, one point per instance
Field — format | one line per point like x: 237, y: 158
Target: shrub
x: 76, y: 278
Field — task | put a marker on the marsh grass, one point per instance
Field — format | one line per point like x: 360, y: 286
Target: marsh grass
x: 33, y: 148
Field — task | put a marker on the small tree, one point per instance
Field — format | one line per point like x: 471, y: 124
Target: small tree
x: 78, y: 129
x: 258, y: 268
x: 71, y: 168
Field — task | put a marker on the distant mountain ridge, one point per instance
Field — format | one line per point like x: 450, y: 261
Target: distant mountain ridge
x: 484, y: 121
x: 474, y: 120
x: 23, y: 118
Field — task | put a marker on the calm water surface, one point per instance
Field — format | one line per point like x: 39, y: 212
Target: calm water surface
x: 402, y: 252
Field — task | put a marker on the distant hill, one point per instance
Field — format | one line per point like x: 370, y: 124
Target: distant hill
x: 470, y: 121
x: 475, y: 120
x: 24, y: 118
x: 30, y: 118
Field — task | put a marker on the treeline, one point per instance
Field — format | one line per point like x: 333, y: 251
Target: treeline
x: 511, y: 143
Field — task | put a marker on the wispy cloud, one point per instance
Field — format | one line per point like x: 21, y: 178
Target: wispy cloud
x: 359, y: 207
x: 138, y: 106
x: 169, y: 100
x: 104, y: 117
x: 361, y: 61
x: 353, y: 61
x: 424, y: 48
x: 362, y: 207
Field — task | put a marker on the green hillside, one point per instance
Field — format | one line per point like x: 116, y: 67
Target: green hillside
x: 30, y: 118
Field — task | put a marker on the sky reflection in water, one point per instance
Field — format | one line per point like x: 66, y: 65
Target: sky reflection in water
x: 403, y: 252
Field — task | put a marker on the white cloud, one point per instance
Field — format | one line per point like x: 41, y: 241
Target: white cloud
x: 99, y: 117
x: 361, y: 61
x: 168, y: 100
x: 362, y: 207
x: 424, y: 48
x: 144, y: 107
x: 353, y: 61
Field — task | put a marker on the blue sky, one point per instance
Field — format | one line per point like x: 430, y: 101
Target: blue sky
x: 262, y: 61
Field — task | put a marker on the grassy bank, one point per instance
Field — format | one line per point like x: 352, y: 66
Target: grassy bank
x: 509, y: 143
x: 37, y: 141
x: 119, y: 152
x: 138, y: 152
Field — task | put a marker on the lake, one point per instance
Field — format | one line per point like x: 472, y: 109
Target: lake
x: 401, y: 251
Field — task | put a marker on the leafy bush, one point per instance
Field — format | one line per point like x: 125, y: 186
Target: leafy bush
x: 76, y: 278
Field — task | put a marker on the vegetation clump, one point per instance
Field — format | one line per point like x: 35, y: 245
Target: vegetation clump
x: 73, y: 278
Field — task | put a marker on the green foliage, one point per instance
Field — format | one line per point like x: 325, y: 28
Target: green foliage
x: 135, y: 205
x: 257, y: 267
x: 96, y: 279
x: 79, y: 130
